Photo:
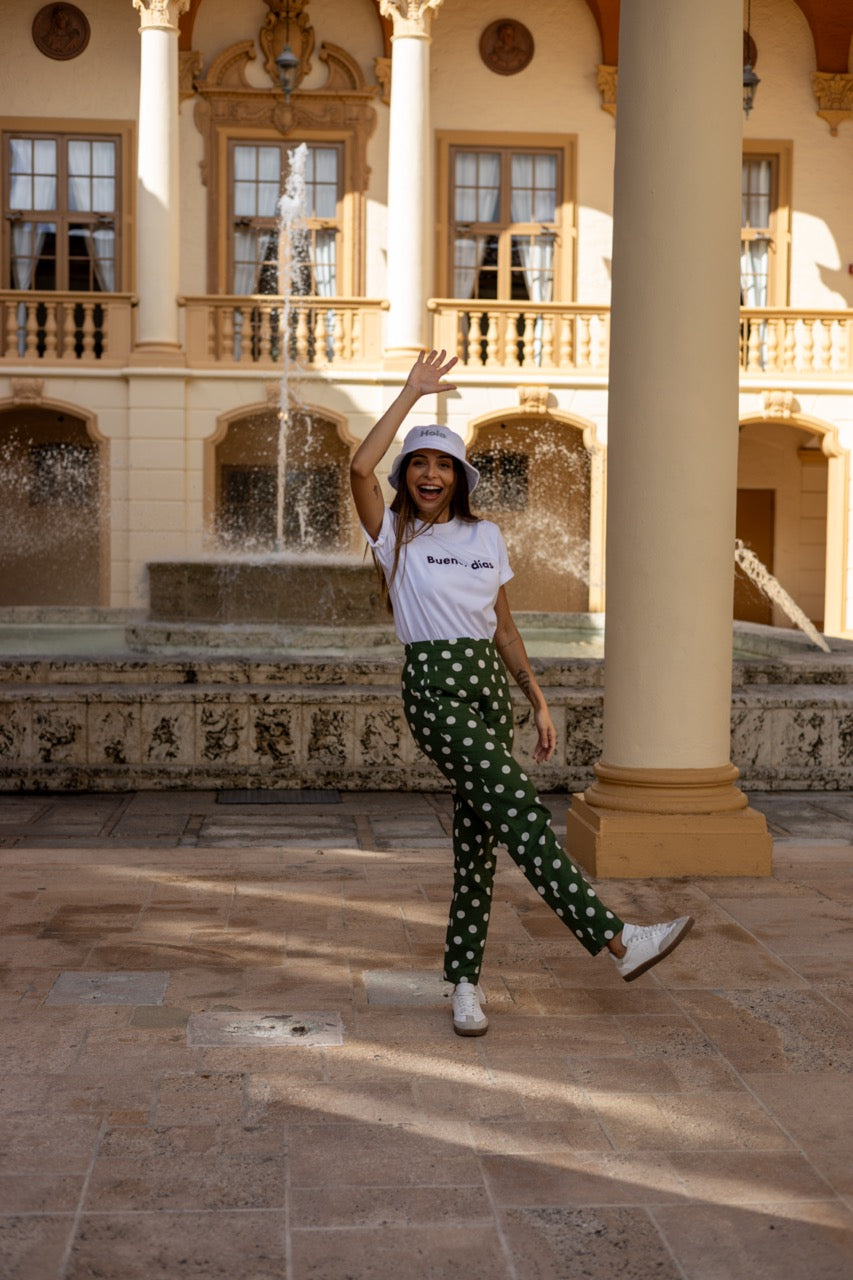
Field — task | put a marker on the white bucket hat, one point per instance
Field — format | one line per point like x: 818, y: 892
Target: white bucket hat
x: 433, y: 436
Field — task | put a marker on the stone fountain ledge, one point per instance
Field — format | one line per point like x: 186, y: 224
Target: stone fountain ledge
x: 205, y: 720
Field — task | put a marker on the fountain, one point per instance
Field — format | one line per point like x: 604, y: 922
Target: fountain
x: 772, y: 587
x: 285, y: 587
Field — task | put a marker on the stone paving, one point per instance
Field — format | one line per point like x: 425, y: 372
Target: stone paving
x: 227, y: 1052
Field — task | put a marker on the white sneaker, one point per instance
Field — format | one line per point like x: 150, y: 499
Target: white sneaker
x: 468, y: 1017
x: 646, y: 944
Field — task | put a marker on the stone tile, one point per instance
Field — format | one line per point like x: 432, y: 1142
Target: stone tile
x: 437, y: 1252
x: 774, y: 1030
x: 405, y: 986
x: 599, y: 1243
x: 745, y: 1177
x: 370, y: 1156
x: 32, y: 1246
x: 196, y: 1246
x: 229, y: 1180
x: 379, y: 1208
x: 65, y: 1146
x: 284, y: 1099
x: 571, y: 1178
x: 38, y: 1193
x: 808, y: 1239
x: 108, y: 988
x: 199, y: 1098
x: 817, y: 1111
x: 687, y: 1121
x: 655, y: 1073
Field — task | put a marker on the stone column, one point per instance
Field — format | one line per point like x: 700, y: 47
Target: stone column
x: 665, y: 801
x: 158, y: 197
x: 410, y: 213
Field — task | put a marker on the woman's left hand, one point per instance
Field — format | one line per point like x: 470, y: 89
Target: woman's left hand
x: 547, y: 742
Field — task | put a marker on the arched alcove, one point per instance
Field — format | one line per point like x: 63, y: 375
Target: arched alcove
x: 791, y: 502
x: 536, y: 484
x: 52, y: 508
x: 248, y: 459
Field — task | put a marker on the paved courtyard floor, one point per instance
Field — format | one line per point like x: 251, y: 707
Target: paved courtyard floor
x: 226, y: 1052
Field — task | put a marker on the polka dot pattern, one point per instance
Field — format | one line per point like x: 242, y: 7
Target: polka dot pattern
x: 457, y: 704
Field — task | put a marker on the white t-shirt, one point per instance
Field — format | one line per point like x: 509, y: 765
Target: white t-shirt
x: 447, y: 578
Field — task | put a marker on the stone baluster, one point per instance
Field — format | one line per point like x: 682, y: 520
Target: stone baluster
x: 50, y: 333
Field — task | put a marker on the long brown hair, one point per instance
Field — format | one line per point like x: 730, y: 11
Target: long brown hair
x: 459, y: 508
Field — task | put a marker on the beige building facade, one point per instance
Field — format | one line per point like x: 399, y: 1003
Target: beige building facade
x: 459, y: 192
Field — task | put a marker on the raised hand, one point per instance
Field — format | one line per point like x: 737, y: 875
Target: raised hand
x: 427, y: 372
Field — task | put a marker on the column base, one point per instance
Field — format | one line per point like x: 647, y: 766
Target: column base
x: 401, y: 357
x: 647, y: 823
x: 151, y: 355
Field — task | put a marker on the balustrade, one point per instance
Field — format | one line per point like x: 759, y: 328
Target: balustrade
x: 242, y: 332
x: 64, y: 328
x: 250, y: 331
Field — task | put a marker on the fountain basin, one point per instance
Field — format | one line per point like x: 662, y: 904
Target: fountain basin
x: 272, y: 590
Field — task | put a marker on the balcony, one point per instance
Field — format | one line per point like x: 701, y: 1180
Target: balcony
x: 234, y: 331
x: 65, y: 328
x: 512, y: 336
x: 497, y: 336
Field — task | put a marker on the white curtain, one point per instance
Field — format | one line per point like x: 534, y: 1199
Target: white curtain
x: 753, y: 273
x: 91, y: 189
x: 32, y: 189
x: 325, y: 280
x: 477, y: 195
x: 533, y: 199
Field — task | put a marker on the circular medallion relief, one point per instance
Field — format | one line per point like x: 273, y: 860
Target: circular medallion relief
x: 506, y: 46
x: 60, y: 31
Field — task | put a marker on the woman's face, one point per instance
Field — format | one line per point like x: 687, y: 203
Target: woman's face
x: 431, y: 482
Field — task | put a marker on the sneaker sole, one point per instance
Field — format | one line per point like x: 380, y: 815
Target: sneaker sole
x: 649, y: 964
x: 466, y: 1031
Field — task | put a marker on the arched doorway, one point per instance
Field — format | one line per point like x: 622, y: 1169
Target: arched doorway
x: 316, y: 511
x: 535, y: 483
x: 784, y: 470
x: 51, y: 507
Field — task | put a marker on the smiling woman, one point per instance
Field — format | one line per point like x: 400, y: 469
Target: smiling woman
x: 446, y: 571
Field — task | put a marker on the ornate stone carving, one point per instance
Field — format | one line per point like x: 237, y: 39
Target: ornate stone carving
x: 506, y: 46
x: 293, y: 28
x: 410, y: 17
x: 27, y: 390
x: 834, y: 93
x: 60, y: 31
x: 189, y: 68
x: 382, y: 67
x: 606, y: 79
x: 534, y: 399
x: 160, y: 13
x: 780, y: 404
x: 343, y: 106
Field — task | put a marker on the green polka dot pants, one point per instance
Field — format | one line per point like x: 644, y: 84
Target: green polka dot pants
x: 457, y: 704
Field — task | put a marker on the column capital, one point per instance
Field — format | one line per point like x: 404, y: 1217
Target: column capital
x: 162, y: 14
x: 834, y: 93
x: 410, y: 17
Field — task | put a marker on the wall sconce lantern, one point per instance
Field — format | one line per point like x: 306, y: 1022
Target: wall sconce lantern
x: 750, y: 79
x: 287, y: 64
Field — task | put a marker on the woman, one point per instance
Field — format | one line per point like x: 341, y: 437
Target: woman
x: 445, y: 572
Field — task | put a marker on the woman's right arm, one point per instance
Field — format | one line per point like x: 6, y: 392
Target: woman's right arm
x: 424, y: 378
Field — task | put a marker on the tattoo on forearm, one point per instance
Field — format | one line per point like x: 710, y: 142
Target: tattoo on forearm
x: 523, y: 680
x: 377, y: 490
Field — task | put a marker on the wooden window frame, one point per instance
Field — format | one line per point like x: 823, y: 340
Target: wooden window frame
x: 119, y: 131
x: 311, y: 224
x: 780, y: 155
x: 351, y: 255
x: 449, y: 141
